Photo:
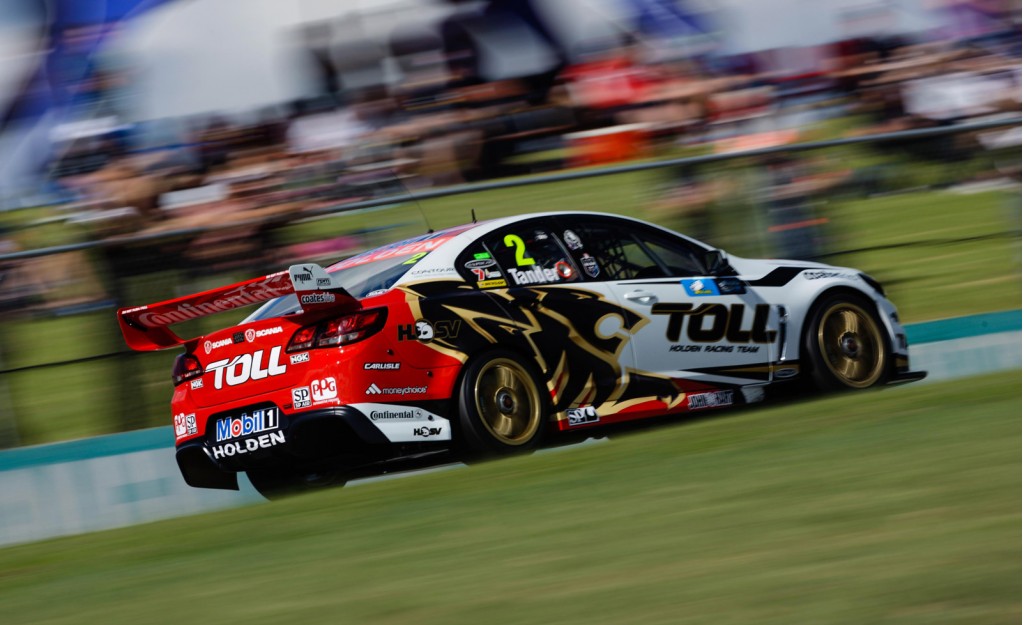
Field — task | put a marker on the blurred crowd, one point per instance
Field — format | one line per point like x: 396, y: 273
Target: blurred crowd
x: 489, y: 91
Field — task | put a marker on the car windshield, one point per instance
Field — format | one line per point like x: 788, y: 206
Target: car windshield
x: 359, y: 279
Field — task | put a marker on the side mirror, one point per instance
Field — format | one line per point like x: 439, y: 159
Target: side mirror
x: 714, y: 261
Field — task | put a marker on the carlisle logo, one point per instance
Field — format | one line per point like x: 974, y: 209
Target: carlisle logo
x: 382, y: 366
x: 245, y: 425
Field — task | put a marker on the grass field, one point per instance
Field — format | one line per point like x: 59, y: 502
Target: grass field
x: 896, y: 506
x: 939, y: 254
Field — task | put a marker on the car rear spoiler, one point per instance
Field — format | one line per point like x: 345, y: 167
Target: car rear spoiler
x: 146, y: 328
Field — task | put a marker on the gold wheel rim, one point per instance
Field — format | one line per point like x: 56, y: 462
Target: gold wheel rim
x: 507, y: 401
x: 851, y: 345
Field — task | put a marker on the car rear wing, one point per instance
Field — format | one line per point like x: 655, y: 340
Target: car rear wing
x: 146, y: 328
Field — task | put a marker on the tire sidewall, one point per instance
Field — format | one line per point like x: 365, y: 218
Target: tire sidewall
x: 821, y: 376
x: 474, y: 438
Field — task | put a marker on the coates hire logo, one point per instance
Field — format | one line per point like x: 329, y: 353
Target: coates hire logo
x: 245, y: 425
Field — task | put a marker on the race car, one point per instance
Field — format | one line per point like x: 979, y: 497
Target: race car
x: 488, y: 338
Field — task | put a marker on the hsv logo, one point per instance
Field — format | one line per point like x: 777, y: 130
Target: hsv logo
x: 324, y: 389
x: 245, y: 367
x: 424, y: 331
x: 426, y: 432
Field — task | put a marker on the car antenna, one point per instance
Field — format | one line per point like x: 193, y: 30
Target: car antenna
x: 472, y: 213
x: 394, y: 175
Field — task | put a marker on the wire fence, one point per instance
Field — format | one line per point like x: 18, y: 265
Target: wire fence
x: 65, y: 373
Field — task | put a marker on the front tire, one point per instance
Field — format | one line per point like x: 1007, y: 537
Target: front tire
x: 501, y: 407
x: 846, y: 344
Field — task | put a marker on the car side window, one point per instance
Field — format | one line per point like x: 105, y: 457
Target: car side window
x: 609, y: 251
x: 529, y: 254
x: 676, y: 256
x: 479, y: 267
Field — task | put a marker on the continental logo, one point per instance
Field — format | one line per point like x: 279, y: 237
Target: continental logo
x: 711, y: 323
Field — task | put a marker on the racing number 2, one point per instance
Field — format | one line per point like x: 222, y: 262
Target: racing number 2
x: 515, y: 241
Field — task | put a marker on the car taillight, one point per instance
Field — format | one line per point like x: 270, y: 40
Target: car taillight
x: 339, y: 331
x: 186, y: 367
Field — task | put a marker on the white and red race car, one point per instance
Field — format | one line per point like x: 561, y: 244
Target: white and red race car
x: 486, y: 338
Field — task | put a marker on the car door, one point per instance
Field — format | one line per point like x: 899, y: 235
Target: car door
x: 699, y: 326
x: 576, y: 328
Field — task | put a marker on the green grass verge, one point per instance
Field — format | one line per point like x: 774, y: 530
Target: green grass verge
x: 896, y: 506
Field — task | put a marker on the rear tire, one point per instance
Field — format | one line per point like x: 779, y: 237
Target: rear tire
x: 846, y: 345
x: 502, y: 409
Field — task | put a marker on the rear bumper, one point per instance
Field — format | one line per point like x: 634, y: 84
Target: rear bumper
x: 332, y: 437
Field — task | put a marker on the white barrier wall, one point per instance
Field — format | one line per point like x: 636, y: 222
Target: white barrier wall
x: 100, y: 483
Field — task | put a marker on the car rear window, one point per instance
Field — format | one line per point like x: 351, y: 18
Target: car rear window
x: 359, y: 279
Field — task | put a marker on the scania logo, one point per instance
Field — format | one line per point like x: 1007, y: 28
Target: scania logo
x: 209, y: 346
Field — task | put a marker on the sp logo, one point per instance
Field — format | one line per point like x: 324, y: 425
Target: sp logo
x: 424, y: 331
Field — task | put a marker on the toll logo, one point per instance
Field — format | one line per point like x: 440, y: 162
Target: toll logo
x: 245, y: 367
x: 710, y: 323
